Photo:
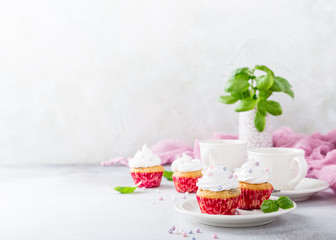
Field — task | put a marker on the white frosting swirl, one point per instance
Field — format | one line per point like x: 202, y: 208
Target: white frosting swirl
x: 144, y: 158
x: 251, y: 172
x: 186, y: 164
x: 216, y: 179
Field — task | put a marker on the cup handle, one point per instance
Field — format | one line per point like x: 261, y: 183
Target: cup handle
x: 303, y: 167
x: 206, y: 159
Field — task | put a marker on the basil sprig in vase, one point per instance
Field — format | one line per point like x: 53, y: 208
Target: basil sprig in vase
x: 252, y: 94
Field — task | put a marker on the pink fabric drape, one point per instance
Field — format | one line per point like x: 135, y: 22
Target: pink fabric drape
x: 320, y: 151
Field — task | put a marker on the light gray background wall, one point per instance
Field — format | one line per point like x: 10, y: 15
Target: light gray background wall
x: 83, y: 81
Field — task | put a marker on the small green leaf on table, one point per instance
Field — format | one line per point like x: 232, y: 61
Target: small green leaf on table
x: 285, y: 202
x: 269, y: 206
x: 126, y: 189
x: 168, y: 175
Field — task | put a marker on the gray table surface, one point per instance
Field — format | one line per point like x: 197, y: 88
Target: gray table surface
x: 77, y: 202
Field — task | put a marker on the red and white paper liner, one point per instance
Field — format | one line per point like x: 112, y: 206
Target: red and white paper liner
x: 222, y: 206
x: 185, y: 184
x: 149, y: 180
x: 252, y: 199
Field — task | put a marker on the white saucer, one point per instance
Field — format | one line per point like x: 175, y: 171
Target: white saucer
x: 304, y: 190
x: 245, y: 218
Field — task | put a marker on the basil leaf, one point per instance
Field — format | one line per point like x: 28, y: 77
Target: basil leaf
x: 228, y: 99
x: 237, y: 95
x: 265, y: 94
x: 168, y: 175
x: 243, y: 73
x: 259, y: 121
x: 273, y: 108
x: 236, y: 85
x: 246, y: 104
x: 261, y: 107
x: 125, y: 189
x: 241, y: 95
x: 284, y: 82
x: 280, y: 84
x: 290, y: 93
x: 264, y: 82
x: 285, y: 202
x: 269, y: 206
x: 264, y: 69
x: 246, y: 94
x: 277, y: 86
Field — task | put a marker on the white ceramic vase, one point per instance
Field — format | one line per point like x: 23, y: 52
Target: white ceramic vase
x: 249, y: 133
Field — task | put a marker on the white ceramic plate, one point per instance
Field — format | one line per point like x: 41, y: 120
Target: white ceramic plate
x: 245, y: 218
x: 304, y: 190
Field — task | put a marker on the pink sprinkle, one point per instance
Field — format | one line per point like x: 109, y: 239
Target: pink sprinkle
x: 160, y: 198
x: 184, y: 234
x: 236, y: 176
x: 198, y: 230
x: 209, y: 174
x: 214, y: 236
x: 266, y: 169
x: 231, y: 176
x: 211, y: 167
x: 257, y: 163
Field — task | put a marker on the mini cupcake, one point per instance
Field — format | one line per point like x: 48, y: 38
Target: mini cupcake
x: 253, y: 185
x: 218, y: 191
x: 186, y: 173
x: 146, y: 167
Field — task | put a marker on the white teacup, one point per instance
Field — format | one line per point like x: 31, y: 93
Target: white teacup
x: 225, y: 152
x: 287, y: 166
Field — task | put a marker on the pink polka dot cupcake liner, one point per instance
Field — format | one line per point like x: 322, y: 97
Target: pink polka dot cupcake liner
x: 225, y: 206
x: 185, y: 184
x: 252, y: 199
x: 149, y: 180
